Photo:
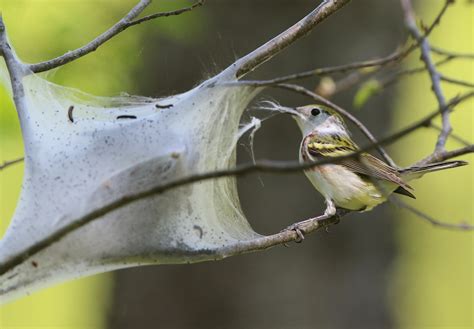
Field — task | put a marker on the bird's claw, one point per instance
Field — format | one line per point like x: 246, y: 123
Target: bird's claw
x: 298, y: 230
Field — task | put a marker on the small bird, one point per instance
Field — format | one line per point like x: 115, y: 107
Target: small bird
x: 359, y: 183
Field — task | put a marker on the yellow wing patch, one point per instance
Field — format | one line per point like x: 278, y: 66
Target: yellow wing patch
x: 329, y: 145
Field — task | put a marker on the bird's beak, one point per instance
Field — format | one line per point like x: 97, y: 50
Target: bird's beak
x: 287, y: 110
x: 296, y: 113
x: 293, y: 111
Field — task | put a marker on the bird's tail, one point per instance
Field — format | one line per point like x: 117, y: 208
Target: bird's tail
x: 418, y: 171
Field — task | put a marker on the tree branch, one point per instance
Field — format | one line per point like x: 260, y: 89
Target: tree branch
x: 126, y: 22
x: 435, y: 76
x: 358, y: 76
x: 166, y: 14
x: 455, y: 137
x: 393, y: 57
x: 451, y: 54
x: 391, y: 79
x: 420, y: 214
x: 16, y: 69
x: 259, y: 56
x: 457, y: 81
x: 285, y: 236
x: 446, y: 155
x: 8, y: 163
x: 396, y: 56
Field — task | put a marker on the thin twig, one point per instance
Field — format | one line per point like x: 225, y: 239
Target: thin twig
x: 451, y: 54
x: 438, y: 17
x: 342, y: 84
x: 390, y: 80
x: 446, y: 155
x: 396, y: 56
x: 8, y: 163
x: 167, y: 13
x: 120, y: 26
x: 263, y: 53
x: 244, y: 169
x: 457, y: 81
x: 435, y: 76
x: 453, y: 136
x: 430, y: 219
x: 358, y: 76
x: 352, y: 118
x: 17, y: 70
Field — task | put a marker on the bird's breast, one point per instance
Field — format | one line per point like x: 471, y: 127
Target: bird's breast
x: 346, y: 188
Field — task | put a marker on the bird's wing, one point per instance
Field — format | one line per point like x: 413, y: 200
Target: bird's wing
x: 365, y: 164
x: 328, y: 145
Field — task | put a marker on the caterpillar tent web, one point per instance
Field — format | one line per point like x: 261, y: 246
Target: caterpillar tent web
x: 83, y: 152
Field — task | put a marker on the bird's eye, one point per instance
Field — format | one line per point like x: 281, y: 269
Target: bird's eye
x: 315, y: 111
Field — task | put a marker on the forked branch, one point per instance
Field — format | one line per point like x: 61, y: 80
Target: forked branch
x: 9, y: 163
x: 462, y: 226
x: 395, y: 57
x: 435, y: 76
x: 120, y: 26
x: 303, y: 27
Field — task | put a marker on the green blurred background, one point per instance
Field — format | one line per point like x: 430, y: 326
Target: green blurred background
x: 384, y: 269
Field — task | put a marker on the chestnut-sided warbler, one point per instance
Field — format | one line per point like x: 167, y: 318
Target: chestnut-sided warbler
x: 359, y: 183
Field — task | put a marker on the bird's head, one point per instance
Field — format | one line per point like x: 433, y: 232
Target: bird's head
x: 319, y: 118
x: 314, y: 117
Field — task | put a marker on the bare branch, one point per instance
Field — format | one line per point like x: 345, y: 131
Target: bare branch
x: 452, y: 226
x: 438, y: 17
x: 455, y: 153
x: 285, y: 236
x: 453, y: 136
x: 340, y: 85
x: 395, y: 77
x: 259, y: 166
x: 345, y: 113
x: 358, y: 76
x: 120, y: 26
x: 451, y: 54
x: 446, y: 155
x: 16, y: 69
x: 259, y: 56
x: 457, y: 82
x: 8, y: 163
x: 388, y: 81
x: 434, y: 74
x: 396, y: 56
x: 166, y: 14
x: 244, y: 169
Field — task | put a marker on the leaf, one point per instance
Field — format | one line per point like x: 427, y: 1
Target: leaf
x: 365, y: 92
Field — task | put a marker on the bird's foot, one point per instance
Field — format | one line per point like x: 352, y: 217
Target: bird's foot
x: 301, y: 228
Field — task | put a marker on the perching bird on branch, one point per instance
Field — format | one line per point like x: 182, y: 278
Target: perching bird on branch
x: 358, y: 183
